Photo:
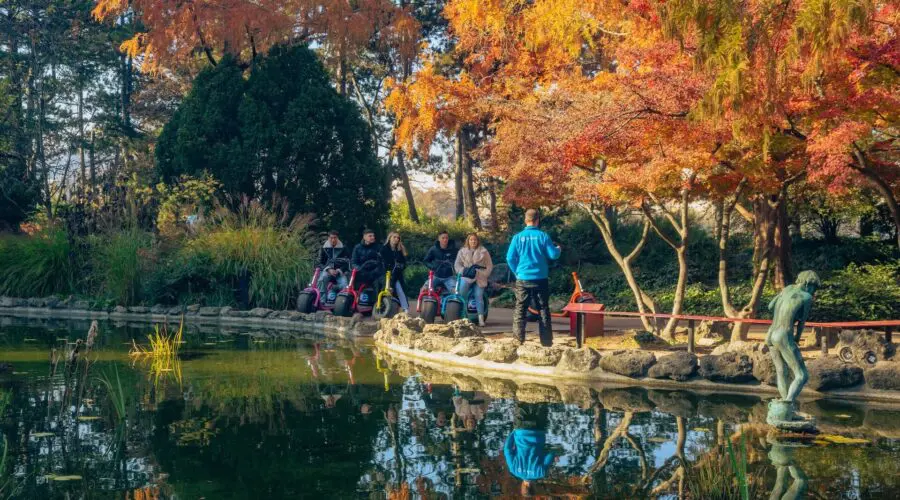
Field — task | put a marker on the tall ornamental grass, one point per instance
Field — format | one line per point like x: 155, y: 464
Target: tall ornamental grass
x: 121, y: 261
x: 37, y: 265
x: 269, y: 246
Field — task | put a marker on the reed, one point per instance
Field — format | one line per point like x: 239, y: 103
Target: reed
x: 269, y: 246
x: 37, y: 265
x: 115, y: 392
x: 722, y: 475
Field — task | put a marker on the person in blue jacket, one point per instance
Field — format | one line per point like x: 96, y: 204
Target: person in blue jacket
x: 527, y: 456
x: 528, y: 257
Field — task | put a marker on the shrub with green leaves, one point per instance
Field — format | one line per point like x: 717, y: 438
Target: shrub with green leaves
x: 860, y: 293
x: 37, y: 265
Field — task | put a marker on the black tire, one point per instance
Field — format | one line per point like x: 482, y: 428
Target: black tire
x: 452, y: 311
x: 305, y: 302
x: 343, y: 306
x: 388, y: 308
x: 429, y: 311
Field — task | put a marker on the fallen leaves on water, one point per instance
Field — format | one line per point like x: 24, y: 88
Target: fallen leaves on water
x: 658, y: 439
x: 836, y: 439
x: 843, y: 415
x: 60, y: 477
x: 88, y: 418
x: 700, y: 429
x: 42, y: 434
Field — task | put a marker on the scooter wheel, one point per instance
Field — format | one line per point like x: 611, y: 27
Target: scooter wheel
x: 452, y: 311
x: 306, y: 303
x: 429, y: 311
x: 389, y: 307
x: 342, y: 306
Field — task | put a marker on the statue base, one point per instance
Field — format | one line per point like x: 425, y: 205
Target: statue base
x: 783, y: 415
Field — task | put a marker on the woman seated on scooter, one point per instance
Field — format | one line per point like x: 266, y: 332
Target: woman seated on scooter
x: 474, y: 263
x: 393, y: 253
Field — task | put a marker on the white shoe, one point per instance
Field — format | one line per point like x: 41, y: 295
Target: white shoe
x: 481, y: 320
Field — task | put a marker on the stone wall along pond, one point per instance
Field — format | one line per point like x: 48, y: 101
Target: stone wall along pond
x: 746, y: 367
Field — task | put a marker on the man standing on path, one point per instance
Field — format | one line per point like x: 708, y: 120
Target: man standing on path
x: 528, y: 257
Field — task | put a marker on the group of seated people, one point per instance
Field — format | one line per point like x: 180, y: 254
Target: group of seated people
x: 371, y: 259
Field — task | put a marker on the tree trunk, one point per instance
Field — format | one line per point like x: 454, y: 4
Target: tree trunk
x: 643, y: 301
x: 407, y: 189
x: 458, y: 183
x: 495, y: 219
x: 783, y: 275
x: 862, y: 166
x: 82, y: 163
x: 468, y: 180
x: 765, y: 216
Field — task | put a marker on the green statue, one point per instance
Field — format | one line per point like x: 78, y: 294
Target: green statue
x: 782, y: 456
x: 790, y: 309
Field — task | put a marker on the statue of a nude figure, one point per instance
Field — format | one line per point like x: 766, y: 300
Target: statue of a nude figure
x: 791, y: 307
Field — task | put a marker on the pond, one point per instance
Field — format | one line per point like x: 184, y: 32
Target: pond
x: 248, y: 414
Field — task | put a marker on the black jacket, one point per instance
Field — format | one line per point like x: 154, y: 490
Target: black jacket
x: 394, y: 261
x: 363, y: 254
x: 441, y: 260
x: 334, y: 257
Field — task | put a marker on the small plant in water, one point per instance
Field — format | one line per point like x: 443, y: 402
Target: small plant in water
x: 722, y: 474
x: 116, y: 394
x: 162, y: 353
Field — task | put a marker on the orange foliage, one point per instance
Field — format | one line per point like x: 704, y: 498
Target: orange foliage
x: 600, y: 101
x: 177, y: 31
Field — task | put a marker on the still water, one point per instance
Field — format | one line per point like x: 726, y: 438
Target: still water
x: 243, y: 414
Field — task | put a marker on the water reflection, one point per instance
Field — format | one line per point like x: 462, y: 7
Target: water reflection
x: 255, y: 417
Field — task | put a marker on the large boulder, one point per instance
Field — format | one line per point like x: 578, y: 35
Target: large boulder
x: 159, y: 309
x: 764, y: 368
x: 578, y: 360
x: 538, y: 393
x: 884, y: 376
x: 8, y: 302
x: 499, y: 388
x: 632, y: 399
x: 731, y: 367
x: 713, y: 330
x: 576, y: 395
x: 439, y: 329
x: 829, y: 372
x: 631, y: 363
x: 738, y: 346
x: 237, y: 313
x: 500, y: 351
x: 537, y: 355
x: 434, y: 343
x: 402, y: 320
x: 139, y: 309
x: 260, y: 312
x: 678, y: 366
x: 209, y: 311
x: 83, y: 305
x: 675, y: 403
x: 463, y: 328
x: 864, y: 346
x: 469, y: 347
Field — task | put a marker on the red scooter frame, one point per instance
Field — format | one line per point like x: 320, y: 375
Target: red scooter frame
x: 353, y: 295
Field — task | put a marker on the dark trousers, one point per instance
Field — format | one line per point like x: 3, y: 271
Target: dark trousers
x: 535, y: 292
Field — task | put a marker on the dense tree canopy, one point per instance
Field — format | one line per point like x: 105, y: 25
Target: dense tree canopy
x: 283, y: 132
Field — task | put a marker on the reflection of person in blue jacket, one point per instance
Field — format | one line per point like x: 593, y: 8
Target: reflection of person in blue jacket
x: 526, y: 448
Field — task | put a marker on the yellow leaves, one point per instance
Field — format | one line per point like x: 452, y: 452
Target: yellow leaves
x: 107, y: 9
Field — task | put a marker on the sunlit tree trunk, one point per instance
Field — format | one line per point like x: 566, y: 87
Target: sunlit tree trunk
x: 407, y: 188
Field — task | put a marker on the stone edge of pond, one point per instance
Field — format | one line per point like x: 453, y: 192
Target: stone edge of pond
x: 459, y: 348
x: 326, y: 323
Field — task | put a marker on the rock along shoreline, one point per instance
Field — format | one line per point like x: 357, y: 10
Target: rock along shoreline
x: 459, y: 349
x: 321, y: 322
